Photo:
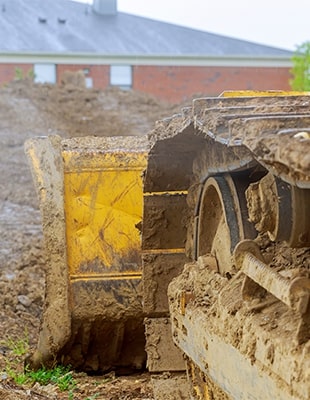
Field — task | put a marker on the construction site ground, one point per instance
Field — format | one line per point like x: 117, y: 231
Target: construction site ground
x: 69, y: 110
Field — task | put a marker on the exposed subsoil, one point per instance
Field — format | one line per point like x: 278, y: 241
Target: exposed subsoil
x: 28, y: 110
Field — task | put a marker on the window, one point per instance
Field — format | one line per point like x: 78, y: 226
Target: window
x: 45, y: 73
x: 121, y: 75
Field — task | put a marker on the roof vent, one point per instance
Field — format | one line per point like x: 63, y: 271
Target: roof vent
x: 105, y: 7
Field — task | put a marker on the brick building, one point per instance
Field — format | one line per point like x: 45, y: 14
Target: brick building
x: 47, y: 38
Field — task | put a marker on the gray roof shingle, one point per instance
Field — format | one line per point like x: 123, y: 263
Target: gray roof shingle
x: 123, y: 34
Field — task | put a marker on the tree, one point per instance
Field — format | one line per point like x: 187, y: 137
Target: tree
x: 301, y: 68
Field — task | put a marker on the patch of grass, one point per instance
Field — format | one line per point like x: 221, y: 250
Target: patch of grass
x: 18, y: 347
x: 18, y: 377
x: 59, y: 375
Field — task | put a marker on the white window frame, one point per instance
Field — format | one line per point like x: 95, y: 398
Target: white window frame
x: 44, y: 73
x: 121, y: 76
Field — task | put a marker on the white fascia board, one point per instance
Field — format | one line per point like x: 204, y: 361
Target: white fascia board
x: 160, y: 60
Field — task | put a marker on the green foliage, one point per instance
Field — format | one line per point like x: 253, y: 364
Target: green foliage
x: 18, y: 347
x: 18, y: 377
x: 30, y: 74
x: 301, y: 68
x: 60, y: 376
x: 20, y: 75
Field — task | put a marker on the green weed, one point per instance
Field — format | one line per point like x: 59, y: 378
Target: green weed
x: 18, y: 377
x: 20, y: 75
x: 18, y: 347
x: 59, y: 375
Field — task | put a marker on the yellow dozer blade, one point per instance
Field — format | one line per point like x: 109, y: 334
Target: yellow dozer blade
x: 90, y: 193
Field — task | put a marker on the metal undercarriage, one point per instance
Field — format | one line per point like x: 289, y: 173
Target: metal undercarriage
x: 240, y: 309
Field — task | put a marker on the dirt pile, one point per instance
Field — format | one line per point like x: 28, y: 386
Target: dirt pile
x: 73, y: 111
x: 28, y: 110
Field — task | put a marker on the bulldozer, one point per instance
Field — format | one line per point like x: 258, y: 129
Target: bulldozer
x: 184, y: 251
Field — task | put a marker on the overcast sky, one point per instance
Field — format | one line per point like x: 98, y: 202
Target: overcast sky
x: 279, y: 23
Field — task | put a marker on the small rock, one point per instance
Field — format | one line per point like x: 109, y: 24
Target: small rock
x: 10, y: 276
x: 20, y: 307
x: 24, y: 300
x: 4, y: 350
x: 3, y: 376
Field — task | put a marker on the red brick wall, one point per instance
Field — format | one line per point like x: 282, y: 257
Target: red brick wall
x: 9, y: 72
x: 175, y: 84
x: 100, y: 74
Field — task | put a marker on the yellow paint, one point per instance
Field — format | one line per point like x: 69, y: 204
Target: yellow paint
x: 170, y: 193
x: 180, y: 250
x: 259, y: 93
x: 38, y: 173
x: 107, y: 276
x: 103, y: 203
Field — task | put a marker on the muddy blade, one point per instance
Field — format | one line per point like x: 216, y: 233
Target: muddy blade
x: 106, y: 326
x: 90, y: 193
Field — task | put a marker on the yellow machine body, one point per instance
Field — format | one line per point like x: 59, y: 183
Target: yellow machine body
x: 103, y: 205
x: 91, y: 203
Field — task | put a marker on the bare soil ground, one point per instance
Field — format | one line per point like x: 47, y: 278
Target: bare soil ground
x: 28, y: 110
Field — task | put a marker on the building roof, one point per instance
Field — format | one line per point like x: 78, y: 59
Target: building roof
x: 64, y: 26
